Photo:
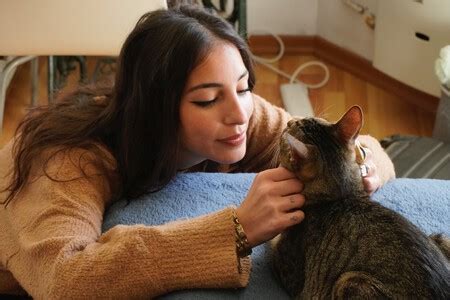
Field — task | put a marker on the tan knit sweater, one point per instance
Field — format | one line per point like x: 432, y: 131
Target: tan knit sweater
x: 51, y: 245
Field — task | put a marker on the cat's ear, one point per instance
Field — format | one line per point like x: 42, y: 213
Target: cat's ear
x: 300, y: 150
x: 350, y: 124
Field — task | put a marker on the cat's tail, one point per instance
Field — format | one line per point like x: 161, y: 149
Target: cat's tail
x: 443, y: 243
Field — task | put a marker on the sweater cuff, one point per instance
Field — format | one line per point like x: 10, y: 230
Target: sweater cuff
x: 207, y: 257
x: 385, y: 167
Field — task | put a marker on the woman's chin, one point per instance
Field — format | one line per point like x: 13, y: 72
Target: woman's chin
x: 231, y: 158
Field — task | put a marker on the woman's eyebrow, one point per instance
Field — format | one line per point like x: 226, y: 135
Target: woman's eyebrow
x: 213, y: 84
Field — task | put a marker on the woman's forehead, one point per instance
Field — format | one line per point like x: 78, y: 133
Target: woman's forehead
x: 221, y: 61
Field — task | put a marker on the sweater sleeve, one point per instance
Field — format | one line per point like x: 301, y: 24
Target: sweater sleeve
x: 60, y: 251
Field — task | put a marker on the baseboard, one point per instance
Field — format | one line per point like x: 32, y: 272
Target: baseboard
x: 294, y: 44
x: 345, y: 60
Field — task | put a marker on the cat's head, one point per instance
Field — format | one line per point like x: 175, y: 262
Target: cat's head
x: 322, y: 155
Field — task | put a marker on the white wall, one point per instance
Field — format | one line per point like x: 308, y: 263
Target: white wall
x: 403, y: 56
x: 330, y: 19
x: 290, y: 17
x: 342, y: 26
x: 338, y: 23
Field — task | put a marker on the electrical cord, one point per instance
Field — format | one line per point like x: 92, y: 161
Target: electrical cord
x: 266, y: 62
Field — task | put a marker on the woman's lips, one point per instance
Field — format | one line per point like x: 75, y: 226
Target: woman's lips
x: 234, y: 140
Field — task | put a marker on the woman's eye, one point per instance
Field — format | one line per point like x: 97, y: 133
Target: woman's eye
x: 241, y: 92
x: 205, y: 103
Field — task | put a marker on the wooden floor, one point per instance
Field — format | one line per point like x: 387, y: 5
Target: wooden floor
x: 385, y: 114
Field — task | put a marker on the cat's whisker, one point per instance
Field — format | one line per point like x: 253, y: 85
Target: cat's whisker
x: 325, y: 112
x: 315, y: 107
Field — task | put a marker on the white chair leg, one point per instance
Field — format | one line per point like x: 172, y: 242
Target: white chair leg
x: 9, y: 67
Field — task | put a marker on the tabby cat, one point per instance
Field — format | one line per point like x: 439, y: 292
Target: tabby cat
x: 348, y: 246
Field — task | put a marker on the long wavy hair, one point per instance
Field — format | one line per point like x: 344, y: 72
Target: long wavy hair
x: 137, y: 119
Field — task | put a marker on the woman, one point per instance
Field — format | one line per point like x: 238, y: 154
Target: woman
x: 182, y: 101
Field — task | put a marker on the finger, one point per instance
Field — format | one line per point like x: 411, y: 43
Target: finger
x: 368, y: 169
x: 293, y: 218
x: 371, y: 184
x: 368, y: 154
x: 364, y: 170
x: 372, y: 169
x: 287, y: 187
x: 279, y: 174
x: 291, y: 202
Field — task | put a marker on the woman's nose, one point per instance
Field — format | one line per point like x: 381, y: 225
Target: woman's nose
x: 235, y: 110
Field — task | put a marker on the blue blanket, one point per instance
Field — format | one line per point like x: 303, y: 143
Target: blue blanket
x: 423, y: 201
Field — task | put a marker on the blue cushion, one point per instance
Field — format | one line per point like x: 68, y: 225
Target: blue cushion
x: 425, y: 202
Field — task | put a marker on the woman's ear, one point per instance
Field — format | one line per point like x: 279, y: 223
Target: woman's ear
x: 350, y: 124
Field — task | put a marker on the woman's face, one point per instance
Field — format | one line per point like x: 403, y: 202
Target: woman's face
x: 215, y: 109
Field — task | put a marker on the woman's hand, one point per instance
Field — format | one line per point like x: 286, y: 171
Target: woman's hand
x: 369, y: 174
x: 272, y: 204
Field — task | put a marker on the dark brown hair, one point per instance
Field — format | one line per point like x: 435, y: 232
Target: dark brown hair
x: 138, y: 120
